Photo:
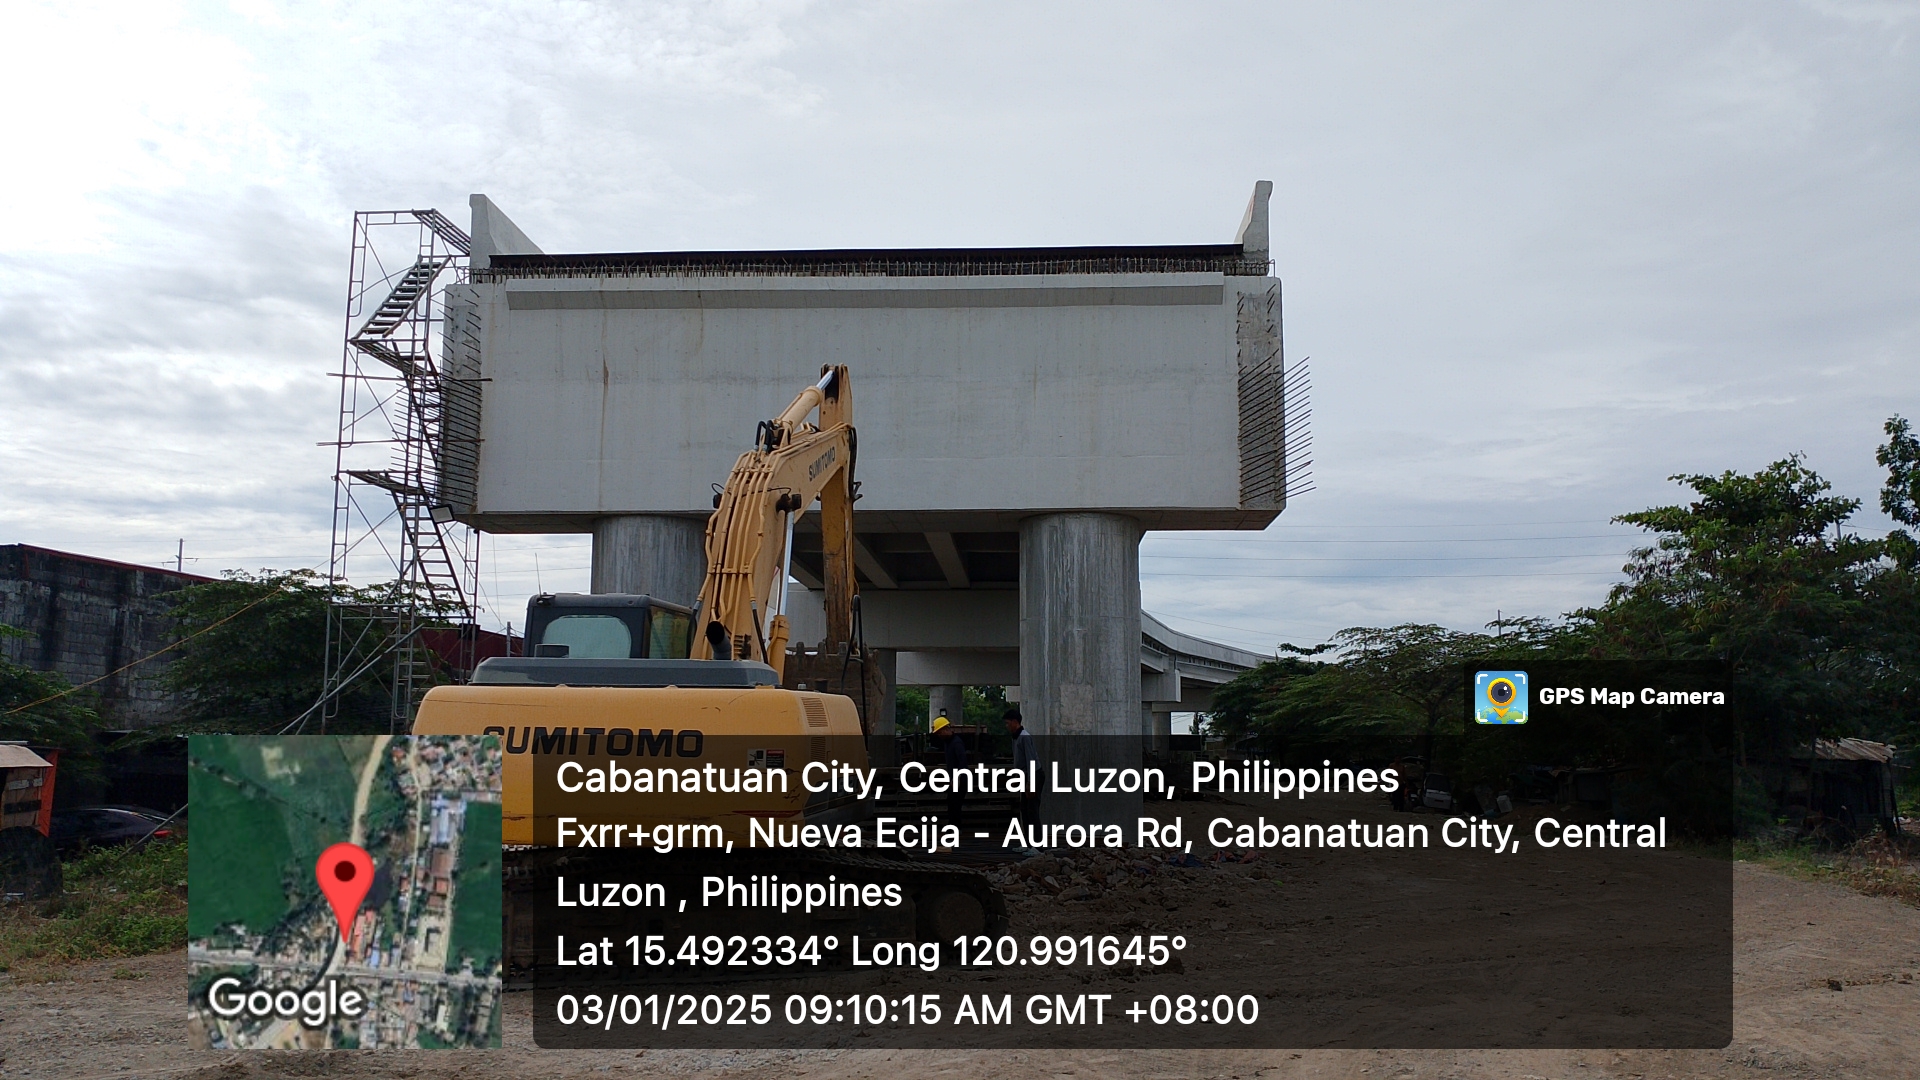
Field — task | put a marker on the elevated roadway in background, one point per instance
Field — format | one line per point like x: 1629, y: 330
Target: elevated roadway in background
x: 947, y: 646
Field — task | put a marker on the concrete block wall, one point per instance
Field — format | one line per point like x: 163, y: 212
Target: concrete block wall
x: 86, y: 617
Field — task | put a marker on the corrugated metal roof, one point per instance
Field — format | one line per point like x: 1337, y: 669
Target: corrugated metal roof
x: 19, y: 757
x: 1851, y: 750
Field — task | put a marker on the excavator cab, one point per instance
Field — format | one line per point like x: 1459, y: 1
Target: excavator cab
x: 613, y: 639
x: 608, y: 626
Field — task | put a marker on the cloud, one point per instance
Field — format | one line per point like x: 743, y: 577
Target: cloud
x: 1542, y: 257
x: 1750, y: 92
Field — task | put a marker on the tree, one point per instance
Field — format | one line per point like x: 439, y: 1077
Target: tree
x: 1900, y: 496
x: 1420, y: 664
x: 1390, y: 688
x: 42, y: 709
x: 1240, y: 707
x: 910, y: 705
x: 255, y: 652
x: 1300, y: 710
x: 1753, y: 587
x: 1894, y: 597
x: 1753, y: 580
x: 985, y: 707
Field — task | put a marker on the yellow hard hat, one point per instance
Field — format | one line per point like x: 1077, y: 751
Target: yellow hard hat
x: 940, y: 722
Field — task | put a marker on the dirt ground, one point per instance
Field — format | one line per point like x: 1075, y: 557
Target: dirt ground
x: 1793, y: 940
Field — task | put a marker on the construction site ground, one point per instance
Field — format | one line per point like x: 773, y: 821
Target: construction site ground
x: 1826, y: 983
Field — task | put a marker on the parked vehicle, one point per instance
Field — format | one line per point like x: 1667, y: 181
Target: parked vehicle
x: 107, y: 826
x: 1436, y: 791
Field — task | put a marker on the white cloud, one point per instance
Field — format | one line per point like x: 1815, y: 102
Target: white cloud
x: 1751, y: 92
x: 1669, y: 238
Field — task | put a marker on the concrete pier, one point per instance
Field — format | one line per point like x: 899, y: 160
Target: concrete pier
x: 950, y: 698
x: 882, y: 750
x: 1156, y: 730
x: 658, y: 554
x: 1080, y: 652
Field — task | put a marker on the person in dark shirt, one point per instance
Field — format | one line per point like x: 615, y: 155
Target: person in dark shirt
x: 1023, y: 753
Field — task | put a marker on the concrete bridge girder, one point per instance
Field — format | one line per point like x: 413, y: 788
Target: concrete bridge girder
x: 1024, y: 414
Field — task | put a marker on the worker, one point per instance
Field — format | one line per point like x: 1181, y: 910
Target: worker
x: 1023, y: 754
x: 954, y: 750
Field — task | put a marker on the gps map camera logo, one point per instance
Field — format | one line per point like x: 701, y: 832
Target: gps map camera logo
x: 1500, y: 697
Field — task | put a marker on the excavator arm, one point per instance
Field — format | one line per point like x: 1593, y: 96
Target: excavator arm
x: 741, y: 613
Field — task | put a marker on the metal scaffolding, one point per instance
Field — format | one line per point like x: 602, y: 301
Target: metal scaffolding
x: 400, y: 563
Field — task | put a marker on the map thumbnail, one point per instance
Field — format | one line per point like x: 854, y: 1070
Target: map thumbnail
x: 271, y: 965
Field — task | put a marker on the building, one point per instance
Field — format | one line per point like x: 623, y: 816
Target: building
x: 86, y: 618
x: 1844, y: 783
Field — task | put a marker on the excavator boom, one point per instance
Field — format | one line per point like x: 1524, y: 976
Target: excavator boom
x: 742, y: 611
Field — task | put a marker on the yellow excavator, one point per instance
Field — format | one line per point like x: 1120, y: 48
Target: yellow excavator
x: 629, y: 679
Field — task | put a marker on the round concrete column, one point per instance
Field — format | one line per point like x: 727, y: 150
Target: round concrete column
x: 1080, y: 654
x: 951, y: 698
x: 1150, y: 741
x: 883, y: 751
x: 657, y: 554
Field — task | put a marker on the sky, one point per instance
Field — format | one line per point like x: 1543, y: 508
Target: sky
x: 1538, y: 257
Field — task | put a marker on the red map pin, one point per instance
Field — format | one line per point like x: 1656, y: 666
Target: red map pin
x: 345, y: 873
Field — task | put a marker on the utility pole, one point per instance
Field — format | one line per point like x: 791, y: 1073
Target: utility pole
x: 180, y: 557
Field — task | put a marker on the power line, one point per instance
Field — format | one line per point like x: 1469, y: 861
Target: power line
x: 229, y: 617
x: 1212, y: 536
x: 1257, y: 538
x: 1374, y: 577
x: 1383, y: 558
x: 1218, y: 626
x: 1450, y: 525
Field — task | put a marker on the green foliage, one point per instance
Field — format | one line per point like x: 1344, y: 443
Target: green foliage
x: 910, y: 705
x: 1900, y: 455
x: 1895, y: 594
x: 1872, y: 866
x: 1900, y: 496
x: 117, y: 902
x: 1417, y: 665
x: 49, y: 713
x: 1393, y: 690
x: 244, y: 854
x: 1753, y: 588
x: 256, y: 649
x: 982, y: 705
x: 256, y: 840
x: 255, y: 652
x: 1756, y: 583
x: 1301, y: 711
x: 986, y: 706
x: 476, y: 891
